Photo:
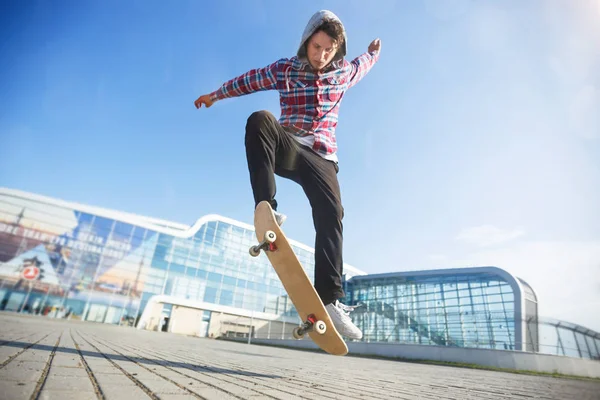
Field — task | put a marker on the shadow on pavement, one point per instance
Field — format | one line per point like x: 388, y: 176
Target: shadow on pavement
x: 147, y: 361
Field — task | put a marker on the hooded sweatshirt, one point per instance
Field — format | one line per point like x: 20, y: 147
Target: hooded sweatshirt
x: 309, y: 101
x: 315, y: 21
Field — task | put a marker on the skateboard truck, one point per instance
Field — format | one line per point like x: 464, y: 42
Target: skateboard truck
x: 311, y: 324
x: 268, y: 244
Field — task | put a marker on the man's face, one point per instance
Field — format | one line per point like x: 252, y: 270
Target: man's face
x: 320, y: 50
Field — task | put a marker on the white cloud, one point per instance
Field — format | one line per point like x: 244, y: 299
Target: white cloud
x: 438, y: 258
x: 487, y: 235
x: 573, y: 59
x: 584, y: 113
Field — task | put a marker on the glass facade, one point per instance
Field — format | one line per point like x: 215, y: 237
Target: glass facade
x: 102, y: 269
x: 446, y: 308
x: 567, y: 339
x: 65, y: 260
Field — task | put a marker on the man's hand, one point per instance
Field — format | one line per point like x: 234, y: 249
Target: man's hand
x: 204, y: 99
x: 375, y: 45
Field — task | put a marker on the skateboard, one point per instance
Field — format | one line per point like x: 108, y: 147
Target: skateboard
x: 316, y: 321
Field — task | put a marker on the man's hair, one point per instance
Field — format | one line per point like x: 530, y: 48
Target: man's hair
x: 334, y: 29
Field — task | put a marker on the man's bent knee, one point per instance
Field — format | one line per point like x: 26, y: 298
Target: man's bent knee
x: 258, y: 118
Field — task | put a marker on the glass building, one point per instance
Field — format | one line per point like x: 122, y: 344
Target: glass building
x: 472, y: 307
x: 103, y: 266
x: 66, y: 260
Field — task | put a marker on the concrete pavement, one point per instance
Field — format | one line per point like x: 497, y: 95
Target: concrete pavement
x: 43, y: 358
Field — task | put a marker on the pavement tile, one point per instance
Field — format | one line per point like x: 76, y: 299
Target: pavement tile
x: 118, y: 392
x: 26, y: 365
x: 63, y: 395
x: 20, y: 375
x: 74, y: 372
x: 113, y: 380
x: 67, y: 383
x: 16, y: 390
x: 67, y: 361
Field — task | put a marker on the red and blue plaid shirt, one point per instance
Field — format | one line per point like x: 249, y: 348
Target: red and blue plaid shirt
x: 309, y: 102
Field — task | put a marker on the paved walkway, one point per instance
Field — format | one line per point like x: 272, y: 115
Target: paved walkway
x: 53, y: 359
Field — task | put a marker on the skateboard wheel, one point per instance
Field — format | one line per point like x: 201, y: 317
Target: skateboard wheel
x: 254, y: 251
x: 320, y: 327
x: 298, y: 334
x: 270, y: 236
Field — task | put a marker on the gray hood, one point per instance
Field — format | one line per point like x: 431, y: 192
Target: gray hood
x: 317, y: 19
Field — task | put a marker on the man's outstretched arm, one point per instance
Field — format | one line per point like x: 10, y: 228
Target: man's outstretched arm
x: 362, y: 64
x: 252, y: 81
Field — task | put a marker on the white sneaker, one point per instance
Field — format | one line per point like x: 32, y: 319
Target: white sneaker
x: 279, y: 217
x: 339, y: 314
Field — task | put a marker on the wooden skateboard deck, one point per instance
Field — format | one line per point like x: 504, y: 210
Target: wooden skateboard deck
x: 295, y: 281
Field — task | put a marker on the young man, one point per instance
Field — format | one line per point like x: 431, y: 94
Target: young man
x: 301, y: 145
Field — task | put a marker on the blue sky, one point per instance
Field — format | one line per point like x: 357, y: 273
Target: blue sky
x: 474, y: 141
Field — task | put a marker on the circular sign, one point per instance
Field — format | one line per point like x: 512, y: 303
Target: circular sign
x: 31, y: 273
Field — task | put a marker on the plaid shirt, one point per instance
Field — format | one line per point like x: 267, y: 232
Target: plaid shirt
x: 309, y: 102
